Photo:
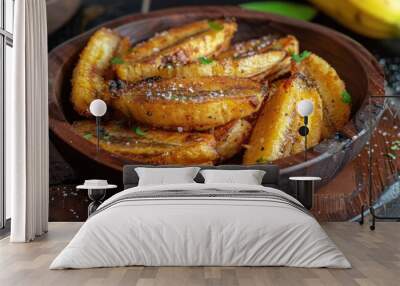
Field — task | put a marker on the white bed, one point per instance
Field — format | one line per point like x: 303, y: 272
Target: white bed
x: 185, y: 230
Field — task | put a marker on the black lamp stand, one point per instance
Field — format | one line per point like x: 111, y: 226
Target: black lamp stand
x: 370, y: 203
x: 303, y: 131
x: 98, y: 118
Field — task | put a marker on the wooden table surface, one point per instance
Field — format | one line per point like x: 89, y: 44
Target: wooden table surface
x: 342, y: 198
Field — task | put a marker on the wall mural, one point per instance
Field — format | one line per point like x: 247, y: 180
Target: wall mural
x: 159, y: 110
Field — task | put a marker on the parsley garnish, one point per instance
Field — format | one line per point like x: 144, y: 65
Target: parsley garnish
x: 391, y: 156
x: 261, y: 160
x: 395, y: 147
x: 87, y: 136
x: 103, y: 133
x: 298, y: 58
x: 139, y: 131
x: 346, y: 97
x: 205, y: 60
x: 117, y: 61
x: 215, y: 26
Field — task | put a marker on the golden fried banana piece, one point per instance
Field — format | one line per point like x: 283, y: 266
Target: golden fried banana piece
x: 275, y: 134
x: 256, y: 59
x: 337, y: 109
x: 261, y: 45
x: 152, y: 146
x: 315, y: 120
x: 166, y: 39
x: 211, y: 41
x: 241, y: 67
x: 88, y: 76
x: 230, y: 138
x: 124, y: 47
x: 290, y: 45
x: 190, y: 104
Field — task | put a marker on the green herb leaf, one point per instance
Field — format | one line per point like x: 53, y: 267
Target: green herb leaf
x: 298, y: 58
x: 261, y: 160
x: 395, y: 147
x: 291, y: 10
x: 103, y: 133
x: 117, y: 61
x: 391, y: 156
x: 396, y: 142
x: 205, y: 60
x: 215, y: 26
x: 346, y: 97
x: 139, y: 131
x: 87, y: 136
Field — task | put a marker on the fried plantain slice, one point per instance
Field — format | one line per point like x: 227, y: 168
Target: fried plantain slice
x: 88, y: 77
x: 315, y: 120
x: 275, y: 134
x: 230, y: 138
x: 166, y: 39
x: 178, y: 49
x: 255, y: 59
x: 261, y: 45
x: 241, y: 67
x: 124, y: 47
x: 190, y: 104
x: 337, y: 109
x: 290, y: 45
x: 151, y: 146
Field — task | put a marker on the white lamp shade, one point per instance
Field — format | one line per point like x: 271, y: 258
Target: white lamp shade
x: 305, y: 107
x: 98, y: 107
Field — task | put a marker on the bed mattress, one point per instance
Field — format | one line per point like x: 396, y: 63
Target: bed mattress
x: 201, y: 225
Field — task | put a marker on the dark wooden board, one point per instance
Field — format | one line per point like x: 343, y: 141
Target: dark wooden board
x: 341, y: 199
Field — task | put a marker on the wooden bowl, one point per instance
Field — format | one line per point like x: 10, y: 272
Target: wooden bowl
x: 357, y: 67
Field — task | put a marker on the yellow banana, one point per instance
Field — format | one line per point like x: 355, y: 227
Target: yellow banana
x: 387, y: 9
x: 372, y: 18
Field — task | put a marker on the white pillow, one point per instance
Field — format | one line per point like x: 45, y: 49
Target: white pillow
x: 248, y: 177
x: 165, y: 176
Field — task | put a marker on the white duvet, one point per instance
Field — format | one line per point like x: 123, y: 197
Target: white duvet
x: 200, y: 231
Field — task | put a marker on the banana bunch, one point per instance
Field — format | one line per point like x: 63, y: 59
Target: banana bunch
x: 378, y: 19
